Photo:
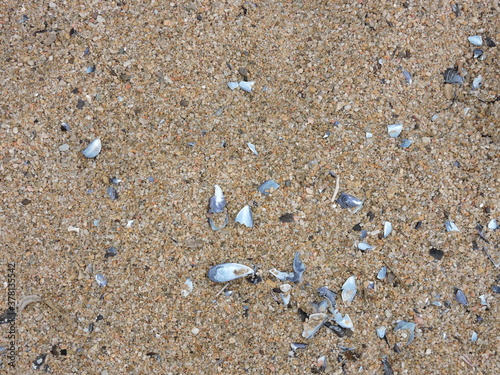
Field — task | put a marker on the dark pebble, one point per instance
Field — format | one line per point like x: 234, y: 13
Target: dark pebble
x: 65, y: 127
x: 184, y: 103
x: 25, y: 202
x: 436, y: 254
x: 80, y: 104
x: 490, y: 42
x: 287, y: 218
x: 111, y: 252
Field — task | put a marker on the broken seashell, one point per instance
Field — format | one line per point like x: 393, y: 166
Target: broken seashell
x: 408, y: 77
x: 217, y: 202
x: 394, y: 130
x: 215, y: 227
x: 225, y: 272
x: 451, y: 226
x: 493, y: 224
x: 387, y: 229
x: 321, y: 365
x: 409, y: 326
x: 476, y: 40
x: 405, y: 143
x: 283, y: 276
x: 232, y: 85
x: 298, y: 269
x: 267, y: 186
x: 328, y: 294
x: 349, y: 289
x: 115, y: 180
x: 451, y: 76
x: 348, y: 201
x: 363, y: 246
x: 285, y: 295
x: 473, y: 337
x: 313, y: 324
x: 245, y: 217
x: 477, y: 53
x: 93, y: 149
x: 477, y: 82
x: 65, y: 127
x: 385, y: 361
x: 381, y: 332
x: 113, y: 194
x: 343, y: 321
x: 382, y: 273
x: 252, y: 148
x: 190, y: 287
x: 246, y: 85
x: 101, y: 280
x: 460, y: 297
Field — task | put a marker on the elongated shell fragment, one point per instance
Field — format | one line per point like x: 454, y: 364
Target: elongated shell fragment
x: 349, y: 289
x: 245, y: 217
x: 313, y: 324
x: 267, y: 186
x: 225, y: 272
x: 217, y: 202
x: 348, y: 201
x: 246, y: 85
x: 93, y: 149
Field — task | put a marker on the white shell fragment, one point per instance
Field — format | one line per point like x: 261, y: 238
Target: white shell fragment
x: 477, y: 82
x: 460, y: 297
x: 101, y: 280
x: 298, y: 268
x: 476, y: 40
x: 232, y: 85
x: 408, y: 77
x: 451, y: 226
x: 452, y: 76
x: 409, y: 326
x: 225, y: 272
x: 93, y: 149
x: 267, y: 186
x: 343, y: 321
x: 285, y: 295
x: 252, y: 148
x: 71, y: 228
x: 394, y: 130
x: 283, y: 276
x: 217, y: 202
x: 387, y: 229
x: 382, y: 273
x: 245, y: 217
x: 329, y: 295
x: 349, y: 289
x: 473, y: 337
x: 189, y: 289
x: 246, y: 85
x: 381, y: 332
x: 493, y: 224
x: 405, y: 143
x: 363, y: 246
x: 348, y: 201
x: 313, y: 324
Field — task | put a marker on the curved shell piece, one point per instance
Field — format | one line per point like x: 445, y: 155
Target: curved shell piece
x: 363, y: 246
x: 348, y: 201
x: 476, y: 40
x: 245, y: 217
x: 343, y: 321
x: 313, y: 324
x: 452, y: 76
x: 267, y: 186
x: 246, y: 85
x: 477, y: 82
x: 394, y: 130
x: 387, y: 229
x: 451, y: 226
x: 252, y: 148
x: 381, y: 332
x: 101, y: 280
x: 217, y: 202
x: 382, y: 273
x: 349, y: 289
x: 405, y: 143
x: 225, y: 272
x: 232, y: 85
x: 93, y: 149
x: 409, y: 326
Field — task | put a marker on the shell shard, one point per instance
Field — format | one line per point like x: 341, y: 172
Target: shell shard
x: 473, y: 337
x: 343, y: 321
x: 217, y: 202
x: 189, y: 287
x: 329, y: 295
x: 252, y: 148
x: 112, y: 193
x: 348, y: 201
x: 246, y: 85
x: 405, y: 143
x: 408, y: 326
x: 394, y: 130
x: 298, y: 269
x: 381, y: 332
x: 265, y: 187
x: 493, y: 224
x: 313, y: 324
x: 349, y: 289
x: 101, y: 280
x: 477, y: 82
x: 363, y: 246
x: 477, y: 53
x: 93, y: 149
x: 408, y: 77
x: 451, y: 76
x: 387, y: 366
x: 232, y: 85
x: 476, y: 40
x: 382, y: 273
x: 285, y: 295
x: 245, y: 217
x: 283, y: 276
x: 387, y: 228
x: 451, y: 226
x: 460, y: 297
x: 225, y: 272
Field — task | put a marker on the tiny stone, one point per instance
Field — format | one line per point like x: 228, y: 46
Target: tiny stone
x: 195, y: 331
x: 64, y: 147
x: 184, y: 103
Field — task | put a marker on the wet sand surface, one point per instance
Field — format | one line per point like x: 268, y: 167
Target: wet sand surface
x: 150, y: 80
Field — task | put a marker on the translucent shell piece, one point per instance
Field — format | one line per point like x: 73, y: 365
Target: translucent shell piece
x: 382, y: 273
x: 405, y: 143
x: 349, y: 289
x: 348, y: 201
x: 246, y: 85
x: 381, y: 332
x: 363, y: 246
x: 267, y: 186
x: 245, y: 217
x: 101, y: 280
x: 343, y: 321
x: 452, y: 76
x: 476, y: 40
x: 217, y: 202
x: 408, y: 77
x: 451, y: 226
x: 232, y: 85
x: 387, y: 229
x: 252, y: 148
x: 93, y: 149
x: 394, y: 130
x: 477, y: 82
x: 313, y: 324
x: 225, y: 272
x: 409, y: 326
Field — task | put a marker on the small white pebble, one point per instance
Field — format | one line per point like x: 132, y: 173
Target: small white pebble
x: 195, y: 331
